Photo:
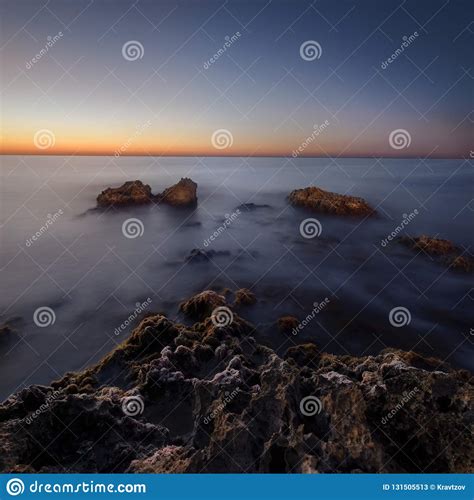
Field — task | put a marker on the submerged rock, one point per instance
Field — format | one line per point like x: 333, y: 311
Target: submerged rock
x: 130, y: 193
x: 319, y: 200
x: 244, y: 297
x: 287, y: 323
x: 181, y: 194
x: 199, y: 390
x: 444, y: 251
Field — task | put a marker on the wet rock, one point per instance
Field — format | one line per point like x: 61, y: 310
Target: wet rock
x: 432, y: 246
x: 444, y: 251
x: 462, y: 263
x: 287, y: 323
x: 181, y: 194
x: 318, y: 200
x: 201, y: 305
x: 203, y: 389
x: 130, y: 193
x: 244, y: 297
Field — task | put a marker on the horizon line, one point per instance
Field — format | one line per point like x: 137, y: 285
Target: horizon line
x: 468, y: 157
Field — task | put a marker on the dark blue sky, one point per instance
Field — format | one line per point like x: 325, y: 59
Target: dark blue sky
x: 260, y: 90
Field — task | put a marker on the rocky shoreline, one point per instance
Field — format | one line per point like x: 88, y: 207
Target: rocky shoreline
x: 209, y: 398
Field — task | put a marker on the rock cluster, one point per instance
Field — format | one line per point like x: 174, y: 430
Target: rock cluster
x: 181, y: 194
x: 318, y: 200
x: 444, y: 251
x: 211, y: 399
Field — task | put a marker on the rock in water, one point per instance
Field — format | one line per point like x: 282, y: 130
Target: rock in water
x: 130, y: 193
x: 443, y: 251
x: 319, y: 200
x: 182, y: 194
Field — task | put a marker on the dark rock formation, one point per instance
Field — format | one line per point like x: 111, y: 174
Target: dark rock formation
x: 287, y: 323
x: 201, y: 305
x: 182, y: 194
x: 319, y: 200
x: 204, y: 389
x: 130, y: 193
x: 443, y: 251
x: 244, y: 297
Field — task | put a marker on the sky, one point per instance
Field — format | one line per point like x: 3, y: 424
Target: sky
x: 237, y: 77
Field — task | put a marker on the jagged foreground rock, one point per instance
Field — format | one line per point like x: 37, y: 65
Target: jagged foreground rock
x: 214, y: 400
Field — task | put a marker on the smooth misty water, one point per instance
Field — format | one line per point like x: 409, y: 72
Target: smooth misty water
x: 92, y: 276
